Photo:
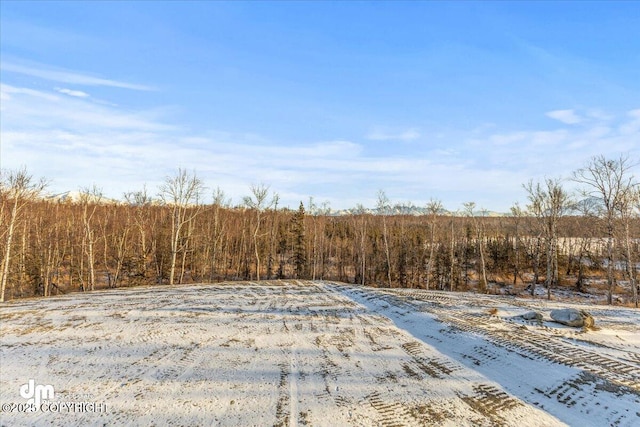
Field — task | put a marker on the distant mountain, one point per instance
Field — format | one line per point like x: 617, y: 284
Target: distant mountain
x: 77, y: 196
x: 413, y: 210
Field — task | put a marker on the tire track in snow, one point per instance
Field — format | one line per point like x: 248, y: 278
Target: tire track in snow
x: 392, y: 414
x: 435, y: 368
x: 491, y: 403
x: 293, y: 389
x: 283, y: 407
x: 532, y: 344
x: 579, y: 390
x: 599, y: 374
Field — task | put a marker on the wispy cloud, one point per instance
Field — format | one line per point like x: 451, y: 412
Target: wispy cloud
x: 25, y: 108
x: 75, y: 142
x: 71, y: 92
x: 69, y: 77
x: 381, y: 135
x: 633, y: 125
x: 568, y: 117
x: 558, y: 152
x: 8, y: 92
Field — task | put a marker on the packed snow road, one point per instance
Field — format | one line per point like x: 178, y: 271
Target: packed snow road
x: 312, y: 353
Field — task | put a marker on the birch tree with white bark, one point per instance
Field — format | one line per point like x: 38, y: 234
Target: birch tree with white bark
x: 549, y: 203
x: 17, y: 189
x: 610, y: 181
x: 183, y: 193
x: 258, y: 202
x: 434, y: 207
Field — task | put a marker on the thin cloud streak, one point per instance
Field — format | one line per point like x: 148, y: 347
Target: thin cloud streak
x: 69, y: 77
x: 71, y: 92
x: 29, y: 108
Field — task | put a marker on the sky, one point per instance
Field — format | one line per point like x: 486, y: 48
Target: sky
x: 454, y: 101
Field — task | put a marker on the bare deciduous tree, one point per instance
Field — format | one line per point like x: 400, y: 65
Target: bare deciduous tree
x: 468, y: 209
x: 258, y: 202
x: 182, y: 193
x: 629, y: 204
x: 585, y: 209
x: 434, y: 207
x: 359, y: 212
x: 636, y: 207
x: 17, y: 188
x: 549, y: 203
x: 89, y: 199
x: 517, y: 215
x: 383, y: 209
x: 140, y: 202
x: 217, y: 226
x: 610, y: 181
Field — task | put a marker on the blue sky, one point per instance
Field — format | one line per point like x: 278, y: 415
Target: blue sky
x: 457, y: 101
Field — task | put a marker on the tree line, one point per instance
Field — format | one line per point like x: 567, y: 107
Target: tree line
x: 556, y: 240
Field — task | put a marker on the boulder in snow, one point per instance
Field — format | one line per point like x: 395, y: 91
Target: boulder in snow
x: 573, y: 317
x: 532, y: 315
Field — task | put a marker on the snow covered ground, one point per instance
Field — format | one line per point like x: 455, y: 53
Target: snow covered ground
x: 313, y: 353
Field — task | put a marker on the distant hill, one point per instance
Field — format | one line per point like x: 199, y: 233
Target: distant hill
x: 413, y: 210
x: 76, y: 197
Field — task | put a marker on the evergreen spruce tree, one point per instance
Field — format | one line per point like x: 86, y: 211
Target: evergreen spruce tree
x: 299, y: 246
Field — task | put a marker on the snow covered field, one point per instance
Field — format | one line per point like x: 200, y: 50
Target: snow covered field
x: 314, y: 353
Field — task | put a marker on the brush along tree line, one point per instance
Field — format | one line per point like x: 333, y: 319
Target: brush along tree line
x: 52, y: 247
